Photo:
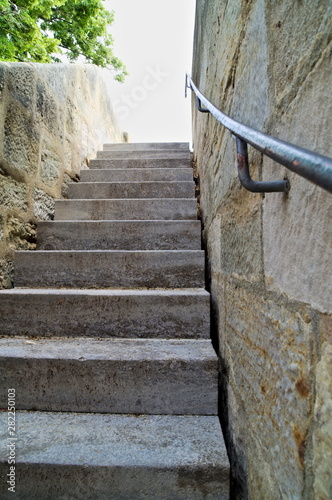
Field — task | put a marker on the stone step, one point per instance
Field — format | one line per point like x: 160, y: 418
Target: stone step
x: 105, y: 313
x: 182, y: 155
x: 119, y: 235
x: 115, y: 163
x: 138, y: 376
x: 137, y: 175
x: 139, y: 146
x: 130, y: 209
x: 109, y: 269
x: 113, y: 457
x: 121, y: 190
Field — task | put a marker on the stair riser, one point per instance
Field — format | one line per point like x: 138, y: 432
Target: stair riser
x: 140, y: 163
x: 137, y: 175
x: 93, y: 269
x: 123, y: 316
x: 138, y: 209
x: 150, y: 146
x: 144, y: 386
x: 112, y: 457
x: 121, y: 190
x: 38, y: 482
x: 166, y: 155
x: 119, y: 235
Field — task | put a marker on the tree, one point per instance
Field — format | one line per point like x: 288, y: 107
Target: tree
x: 38, y: 30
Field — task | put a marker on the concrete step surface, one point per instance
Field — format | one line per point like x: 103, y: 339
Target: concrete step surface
x: 185, y: 155
x: 105, y: 313
x: 143, y: 146
x: 137, y: 175
x: 117, y: 457
x: 136, y: 376
x: 127, y: 209
x: 116, y: 190
x: 127, y: 162
x: 119, y: 235
x: 109, y: 269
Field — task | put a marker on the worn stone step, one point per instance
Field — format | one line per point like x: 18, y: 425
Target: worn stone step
x: 139, y: 146
x: 119, y: 235
x: 120, y: 190
x: 149, y: 376
x: 126, y: 162
x: 130, y: 209
x: 137, y: 175
x: 113, y: 457
x: 109, y: 269
x: 185, y: 155
x: 105, y: 313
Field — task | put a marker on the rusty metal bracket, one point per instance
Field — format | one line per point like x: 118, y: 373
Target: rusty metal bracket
x: 244, y: 173
x: 199, y: 106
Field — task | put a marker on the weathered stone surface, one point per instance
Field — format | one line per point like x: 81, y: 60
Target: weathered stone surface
x: 21, y: 234
x: 13, y: 194
x: 47, y: 108
x: 50, y: 167
x: 43, y: 205
x: 2, y: 226
x: 273, y: 382
x: 21, y: 140
x: 6, y: 273
x: 37, y: 152
x: 323, y: 426
x: 21, y: 83
x: 302, y: 269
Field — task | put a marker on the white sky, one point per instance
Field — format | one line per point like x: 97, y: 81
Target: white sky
x: 154, y: 39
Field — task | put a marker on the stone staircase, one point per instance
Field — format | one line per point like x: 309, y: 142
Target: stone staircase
x: 105, y: 339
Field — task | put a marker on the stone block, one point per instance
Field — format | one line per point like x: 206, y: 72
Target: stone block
x: 21, y: 235
x: 297, y: 230
x: 21, y: 79
x: 13, y: 194
x: 6, y: 273
x: 43, y: 205
x: 47, y: 108
x: 2, y: 227
x: 2, y: 80
x: 267, y: 350
x: 21, y: 139
x: 322, y: 456
x: 50, y: 166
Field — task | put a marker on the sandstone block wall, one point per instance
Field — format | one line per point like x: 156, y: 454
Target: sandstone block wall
x: 269, y: 65
x: 53, y: 119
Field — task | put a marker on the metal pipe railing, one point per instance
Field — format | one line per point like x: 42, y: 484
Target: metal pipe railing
x: 312, y: 166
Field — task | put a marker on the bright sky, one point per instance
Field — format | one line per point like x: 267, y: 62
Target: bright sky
x: 154, y: 39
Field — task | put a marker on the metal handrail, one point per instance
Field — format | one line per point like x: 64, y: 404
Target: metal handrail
x: 312, y: 166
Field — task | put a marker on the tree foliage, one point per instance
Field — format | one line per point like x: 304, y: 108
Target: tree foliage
x: 41, y: 30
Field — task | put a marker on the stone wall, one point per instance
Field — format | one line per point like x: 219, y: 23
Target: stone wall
x: 53, y: 119
x: 269, y: 65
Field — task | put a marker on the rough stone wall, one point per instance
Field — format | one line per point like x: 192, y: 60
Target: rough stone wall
x: 53, y: 119
x: 269, y: 65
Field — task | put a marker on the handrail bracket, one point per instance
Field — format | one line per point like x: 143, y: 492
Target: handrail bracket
x: 244, y: 173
